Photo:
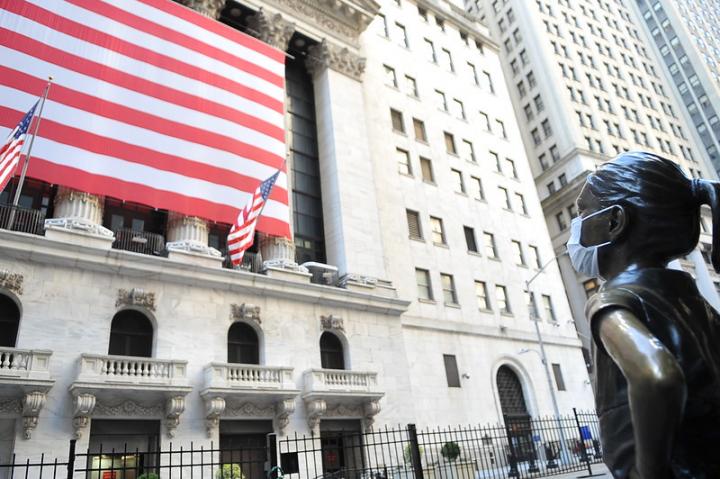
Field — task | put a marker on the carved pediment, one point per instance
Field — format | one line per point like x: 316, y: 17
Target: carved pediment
x: 11, y: 281
x: 136, y: 297
x: 331, y: 322
x: 245, y: 312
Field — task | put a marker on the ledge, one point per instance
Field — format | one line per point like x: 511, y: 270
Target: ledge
x: 38, y: 249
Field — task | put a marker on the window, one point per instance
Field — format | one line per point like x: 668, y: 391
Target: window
x: 502, y: 300
x: 532, y: 305
x: 451, y: 371
x: 430, y: 51
x: 390, y: 77
x: 331, y: 352
x: 450, y: 143
x: 536, y: 136
x: 484, y: 121
x: 426, y: 170
x: 243, y: 344
x: 440, y: 23
x: 490, y: 250
x: 401, y: 36
x: 539, y: 105
x: 446, y: 59
x: 440, y: 100
x: 562, y: 179
x: 557, y: 372
x: 448, y: 286
x: 488, y: 82
x: 438, y: 232
x: 458, y: 179
x: 473, y: 73
x: 423, y: 14
x: 505, y: 198
x: 547, y: 130
x: 413, y: 221
x: 419, y: 127
x: 482, y: 296
x: 560, y: 218
x: 521, y: 203
x: 501, y: 128
x: 411, y: 86
x: 495, y: 159
x: 548, y: 306
x: 478, y: 191
x: 518, y: 253
x: 466, y: 151
x: 398, y: 125
x: 9, y: 321
x: 459, y: 109
x: 383, y: 26
x: 510, y: 164
x: 470, y: 239
x: 131, y: 334
x: 422, y: 277
x: 551, y: 187
x: 535, y: 257
x: 403, y: 159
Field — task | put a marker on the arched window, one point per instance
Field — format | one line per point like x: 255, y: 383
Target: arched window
x: 131, y: 334
x: 9, y: 321
x: 512, y: 399
x: 331, y: 352
x: 243, y: 344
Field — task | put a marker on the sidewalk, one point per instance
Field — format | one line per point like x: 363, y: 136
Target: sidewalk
x: 599, y: 469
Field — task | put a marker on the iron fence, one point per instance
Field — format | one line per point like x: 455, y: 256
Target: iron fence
x: 22, y: 219
x: 522, y: 448
x: 138, y: 241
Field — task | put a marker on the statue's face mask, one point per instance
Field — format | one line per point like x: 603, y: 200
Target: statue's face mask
x: 586, y: 238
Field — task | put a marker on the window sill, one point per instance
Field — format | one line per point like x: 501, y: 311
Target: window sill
x: 431, y: 183
x: 422, y: 142
x: 485, y: 310
x: 399, y: 132
x: 405, y: 174
x: 474, y: 253
x: 461, y: 193
x: 426, y: 301
x: 441, y: 245
x: 419, y: 240
x: 452, y: 305
x: 494, y: 258
x: 506, y: 314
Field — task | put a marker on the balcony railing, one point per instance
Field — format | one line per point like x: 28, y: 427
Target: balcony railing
x: 23, y: 363
x: 337, y: 380
x: 22, y: 219
x: 95, y: 368
x: 251, y: 262
x: 248, y: 376
x: 139, y: 241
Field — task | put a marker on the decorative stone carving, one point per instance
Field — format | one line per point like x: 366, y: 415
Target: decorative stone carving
x: 283, y: 410
x: 83, y: 407
x: 10, y: 406
x: 357, y: 279
x: 214, y: 408
x: 136, y: 297
x: 370, y: 410
x: 344, y: 410
x: 279, y: 252
x: 331, y: 322
x: 325, y: 55
x: 209, y: 8
x: 128, y: 408
x: 249, y: 409
x: 315, y: 409
x: 245, y: 312
x: 12, y: 281
x: 32, y: 403
x: 272, y: 29
x: 78, y: 211
x: 189, y: 234
x: 174, y: 407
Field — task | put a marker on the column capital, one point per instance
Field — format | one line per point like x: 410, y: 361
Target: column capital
x: 271, y: 28
x: 209, y: 8
x: 341, y: 59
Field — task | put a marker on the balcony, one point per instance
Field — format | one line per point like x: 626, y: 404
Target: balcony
x: 139, y: 241
x: 248, y: 390
x: 129, y: 372
x: 22, y: 219
x: 340, y: 393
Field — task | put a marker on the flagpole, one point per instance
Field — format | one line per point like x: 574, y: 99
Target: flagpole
x: 18, y: 188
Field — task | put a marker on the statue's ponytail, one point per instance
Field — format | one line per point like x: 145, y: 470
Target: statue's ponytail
x: 707, y: 192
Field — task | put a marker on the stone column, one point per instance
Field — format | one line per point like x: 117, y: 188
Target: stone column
x: 187, y: 241
x: 78, y: 219
x: 209, y: 8
x: 270, y: 28
x: 346, y: 165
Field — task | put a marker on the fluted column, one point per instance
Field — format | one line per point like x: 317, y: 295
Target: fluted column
x: 187, y: 240
x: 78, y: 219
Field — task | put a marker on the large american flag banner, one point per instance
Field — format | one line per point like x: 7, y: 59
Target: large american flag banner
x: 151, y: 102
x: 11, y: 149
x: 242, y: 233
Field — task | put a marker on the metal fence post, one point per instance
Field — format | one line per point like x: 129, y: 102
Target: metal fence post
x: 513, y: 456
x: 272, y: 456
x: 582, y: 443
x: 415, y: 452
x: 71, y: 459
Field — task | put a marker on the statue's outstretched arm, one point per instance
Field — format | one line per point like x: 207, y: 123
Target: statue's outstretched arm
x: 656, y: 389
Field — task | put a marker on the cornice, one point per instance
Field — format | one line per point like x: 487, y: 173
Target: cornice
x: 29, y: 248
x: 460, y: 18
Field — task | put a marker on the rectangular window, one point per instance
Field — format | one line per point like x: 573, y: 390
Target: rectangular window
x: 448, y: 286
x: 467, y: 152
x: 440, y: 100
x: 470, y: 239
x: 451, y: 371
x: 482, y: 296
x: 426, y: 169
x: 502, y: 300
x: 446, y: 58
x: 510, y: 164
x: 495, y: 159
x: 414, y: 228
x: 557, y: 372
x: 422, y: 277
x: 398, y: 125
x: 403, y: 159
x: 477, y: 186
x: 518, y: 253
x: 505, y: 198
x: 459, y: 109
x: 458, y: 180
x: 473, y: 73
x: 521, y: 203
x: 430, y: 51
x: 548, y: 306
x: 450, y: 143
x: 560, y: 218
x: 411, y: 86
x: 401, y: 36
x: 489, y: 240
x: 383, y: 27
x: 484, y: 121
x: 501, y: 129
x: 419, y: 127
x: 539, y: 105
x: 488, y: 82
x: 438, y: 232
x: 532, y: 305
x: 535, y: 257
x: 390, y: 77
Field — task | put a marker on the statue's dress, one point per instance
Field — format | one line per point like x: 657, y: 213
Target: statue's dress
x: 669, y: 304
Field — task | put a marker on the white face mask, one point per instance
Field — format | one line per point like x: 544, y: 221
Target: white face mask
x: 583, y: 258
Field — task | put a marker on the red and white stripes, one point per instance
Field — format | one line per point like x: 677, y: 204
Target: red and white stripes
x: 151, y: 102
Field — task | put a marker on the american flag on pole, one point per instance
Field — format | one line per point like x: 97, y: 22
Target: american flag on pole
x: 243, y: 230
x: 152, y: 102
x: 11, y: 149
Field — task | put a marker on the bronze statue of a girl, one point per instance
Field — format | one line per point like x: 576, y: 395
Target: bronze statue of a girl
x: 657, y: 341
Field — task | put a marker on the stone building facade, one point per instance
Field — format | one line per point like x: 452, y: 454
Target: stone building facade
x: 402, y: 297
